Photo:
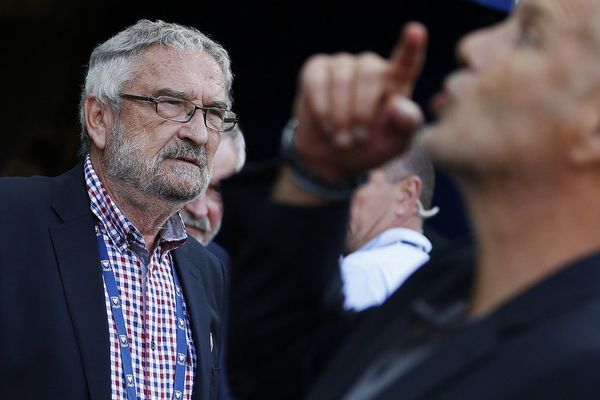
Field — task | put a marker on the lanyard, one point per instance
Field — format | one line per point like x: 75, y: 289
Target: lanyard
x: 117, y: 312
x: 406, y: 242
x: 413, y: 244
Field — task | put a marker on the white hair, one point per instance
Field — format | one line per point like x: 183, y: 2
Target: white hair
x: 113, y: 63
x: 239, y: 146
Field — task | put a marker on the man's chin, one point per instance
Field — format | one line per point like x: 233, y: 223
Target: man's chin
x: 182, y: 185
x: 180, y: 193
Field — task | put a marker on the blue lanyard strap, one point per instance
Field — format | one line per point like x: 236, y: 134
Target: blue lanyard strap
x: 415, y: 245
x: 179, y: 383
x: 124, y: 342
x: 408, y: 243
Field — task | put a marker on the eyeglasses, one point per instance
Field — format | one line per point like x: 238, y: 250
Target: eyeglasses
x: 179, y: 110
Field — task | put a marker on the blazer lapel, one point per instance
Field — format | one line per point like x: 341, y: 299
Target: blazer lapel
x: 77, y: 257
x: 449, y: 358
x: 197, y: 307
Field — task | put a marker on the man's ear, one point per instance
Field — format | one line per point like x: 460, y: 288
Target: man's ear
x: 99, y: 121
x: 408, y: 192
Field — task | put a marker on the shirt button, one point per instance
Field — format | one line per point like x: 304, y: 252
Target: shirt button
x: 153, y: 345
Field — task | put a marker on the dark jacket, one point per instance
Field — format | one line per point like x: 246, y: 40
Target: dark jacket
x: 54, y: 341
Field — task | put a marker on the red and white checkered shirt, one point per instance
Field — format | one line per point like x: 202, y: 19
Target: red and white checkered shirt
x: 145, y: 283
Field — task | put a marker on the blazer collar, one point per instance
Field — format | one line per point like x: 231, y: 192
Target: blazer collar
x: 70, y: 198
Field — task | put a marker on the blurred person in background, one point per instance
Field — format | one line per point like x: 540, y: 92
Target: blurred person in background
x: 203, y: 216
x: 386, y: 243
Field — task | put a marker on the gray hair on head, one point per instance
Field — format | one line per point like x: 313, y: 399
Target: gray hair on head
x: 415, y: 162
x: 239, y: 146
x: 113, y: 63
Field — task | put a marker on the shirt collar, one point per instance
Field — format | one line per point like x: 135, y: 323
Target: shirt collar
x: 120, y: 230
x: 396, y: 235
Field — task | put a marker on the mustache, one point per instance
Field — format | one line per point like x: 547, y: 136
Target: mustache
x: 202, y: 224
x: 186, y: 150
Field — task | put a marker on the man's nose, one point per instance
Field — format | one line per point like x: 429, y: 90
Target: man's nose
x: 195, y: 129
x: 198, y: 208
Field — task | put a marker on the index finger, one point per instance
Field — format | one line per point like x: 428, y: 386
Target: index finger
x: 407, y: 58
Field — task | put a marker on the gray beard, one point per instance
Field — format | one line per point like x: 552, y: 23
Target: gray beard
x: 124, y: 162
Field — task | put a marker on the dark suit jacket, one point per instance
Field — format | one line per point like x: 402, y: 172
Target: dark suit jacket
x: 54, y: 340
x: 290, y: 338
x: 220, y: 253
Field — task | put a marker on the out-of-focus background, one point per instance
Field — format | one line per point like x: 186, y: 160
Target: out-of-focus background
x: 46, y: 43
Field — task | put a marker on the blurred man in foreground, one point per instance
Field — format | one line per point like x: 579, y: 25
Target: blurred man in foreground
x: 519, y: 131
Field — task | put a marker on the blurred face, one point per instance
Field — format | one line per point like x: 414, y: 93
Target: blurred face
x: 167, y: 159
x: 202, y: 216
x: 371, y: 210
x: 513, y: 107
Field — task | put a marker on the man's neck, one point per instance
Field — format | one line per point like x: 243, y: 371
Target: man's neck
x: 525, y: 234
x: 147, y: 212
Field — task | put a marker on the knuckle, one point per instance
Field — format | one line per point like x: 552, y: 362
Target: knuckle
x: 313, y: 78
x: 370, y: 56
x: 315, y: 63
x: 343, y: 72
x: 372, y: 66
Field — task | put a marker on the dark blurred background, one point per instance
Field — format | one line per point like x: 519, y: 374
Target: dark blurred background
x: 46, y: 43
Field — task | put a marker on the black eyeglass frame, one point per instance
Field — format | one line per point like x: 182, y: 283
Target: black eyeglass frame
x: 156, y: 100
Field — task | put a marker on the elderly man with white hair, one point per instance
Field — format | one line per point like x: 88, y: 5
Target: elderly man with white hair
x: 102, y: 293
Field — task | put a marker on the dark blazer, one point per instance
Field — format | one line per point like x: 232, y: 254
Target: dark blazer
x: 54, y: 340
x: 286, y: 312
x: 220, y: 253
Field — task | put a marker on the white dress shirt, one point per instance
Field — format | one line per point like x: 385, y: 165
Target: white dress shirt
x: 374, y: 271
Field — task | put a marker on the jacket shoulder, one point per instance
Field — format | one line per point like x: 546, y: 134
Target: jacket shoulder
x: 22, y: 191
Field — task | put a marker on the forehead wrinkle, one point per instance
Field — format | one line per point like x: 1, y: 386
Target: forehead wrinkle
x: 213, y: 91
x: 199, y: 77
